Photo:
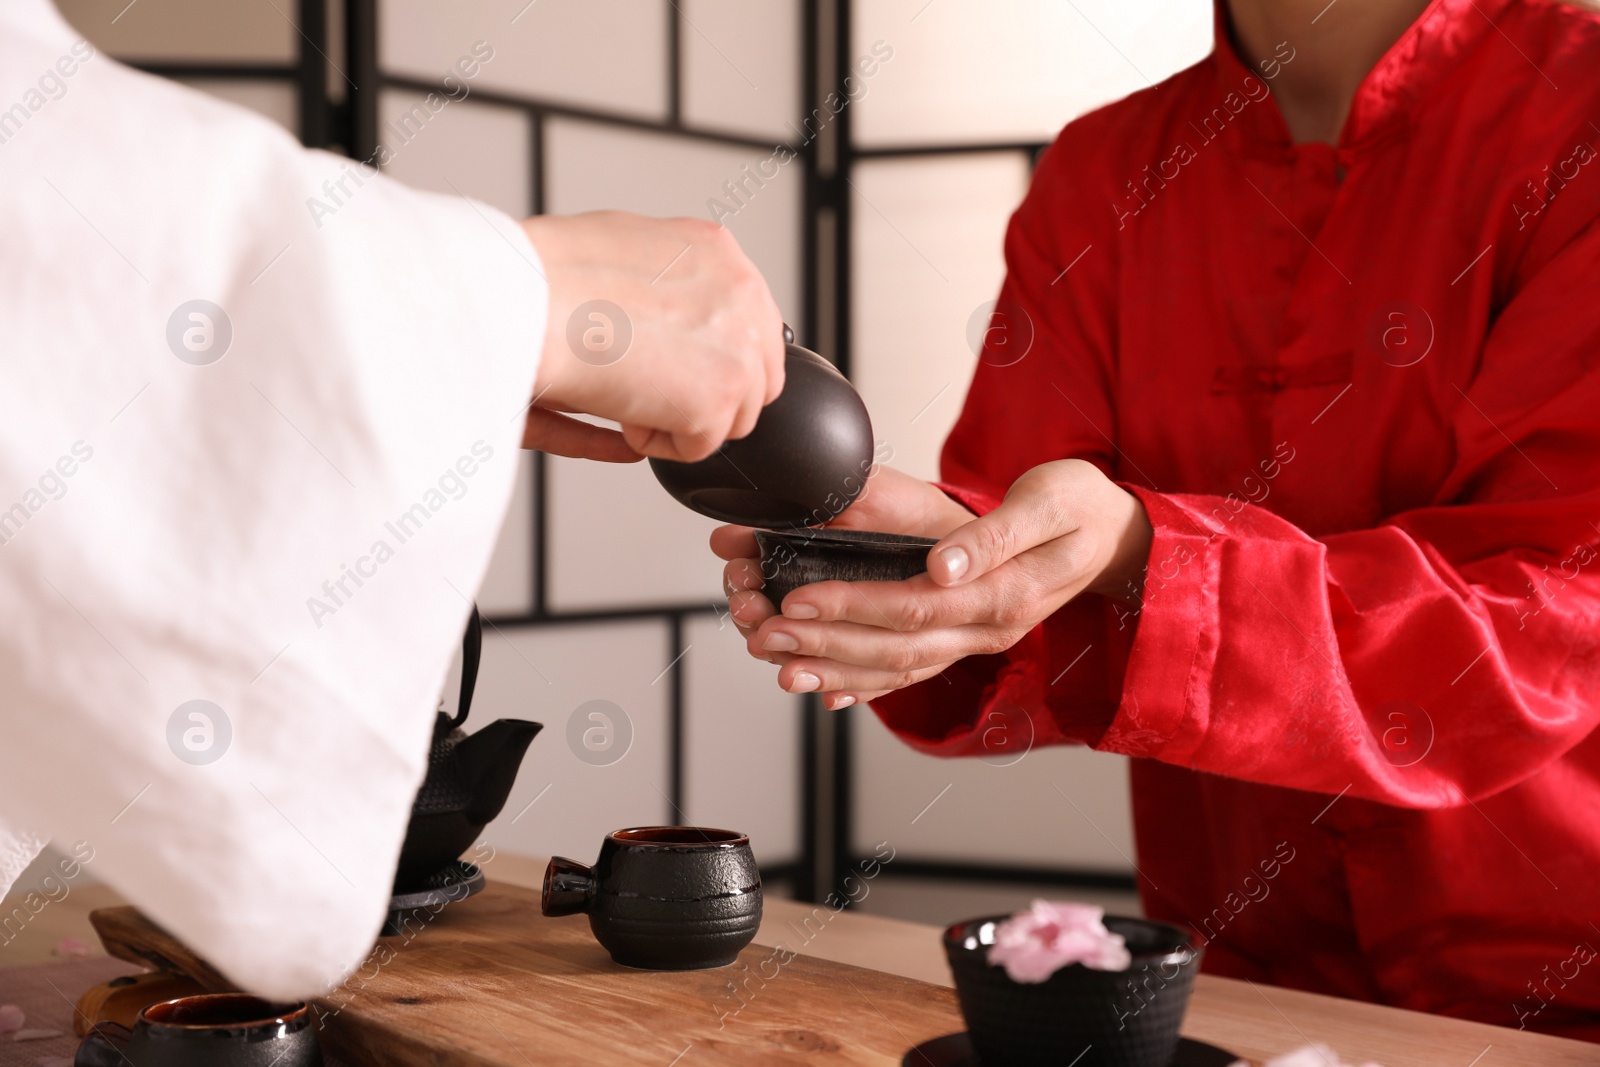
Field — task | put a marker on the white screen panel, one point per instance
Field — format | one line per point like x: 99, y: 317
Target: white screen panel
x: 975, y: 811
x: 251, y: 31
x: 508, y: 585
x: 741, y: 66
x: 478, y: 150
x: 610, y: 55
x: 993, y: 71
x: 617, y: 540
x: 562, y: 804
x: 928, y: 252
x: 741, y: 742
x: 277, y: 100
x: 593, y: 166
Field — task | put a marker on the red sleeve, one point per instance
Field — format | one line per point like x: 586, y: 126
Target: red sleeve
x: 1440, y: 657
x: 1052, y: 337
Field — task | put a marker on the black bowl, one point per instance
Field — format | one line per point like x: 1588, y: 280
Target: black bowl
x: 792, y: 558
x: 1078, y: 1015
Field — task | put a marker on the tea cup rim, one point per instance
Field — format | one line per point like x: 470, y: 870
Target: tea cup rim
x: 955, y: 935
x: 710, y: 837
x: 297, y: 1010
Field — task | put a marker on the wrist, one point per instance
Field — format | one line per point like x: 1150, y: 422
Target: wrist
x: 1128, y: 542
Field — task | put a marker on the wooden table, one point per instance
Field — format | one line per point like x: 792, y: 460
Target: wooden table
x: 1253, y: 1021
x: 1250, y: 1020
x: 1256, y: 1022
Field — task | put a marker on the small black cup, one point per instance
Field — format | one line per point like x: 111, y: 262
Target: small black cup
x: 1104, y: 1018
x: 792, y: 558
x: 663, y: 898
x: 209, y: 1030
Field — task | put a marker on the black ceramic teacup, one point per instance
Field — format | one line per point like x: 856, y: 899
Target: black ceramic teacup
x: 663, y: 898
x: 792, y: 558
x: 1103, y: 1018
x: 209, y: 1030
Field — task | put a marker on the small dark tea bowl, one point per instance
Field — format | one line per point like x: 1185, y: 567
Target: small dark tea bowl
x: 792, y: 558
x: 663, y: 898
x: 209, y: 1030
x: 1078, y: 1015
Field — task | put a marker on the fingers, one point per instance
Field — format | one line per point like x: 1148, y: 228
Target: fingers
x: 735, y: 543
x: 678, y: 337
x: 741, y: 582
x: 914, y: 604
x: 663, y: 444
x: 560, y: 435
x: 840, y: 701
x: 827, y: 676
x: 890, y: 652
x: 1038, y: 508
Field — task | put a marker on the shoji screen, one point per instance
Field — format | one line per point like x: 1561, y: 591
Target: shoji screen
x: 605, y: 598
x: 249, y: 51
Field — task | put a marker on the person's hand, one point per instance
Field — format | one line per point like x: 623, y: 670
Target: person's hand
x: 893, y: 502
x: 1063, y: 529
x: 684, y: 353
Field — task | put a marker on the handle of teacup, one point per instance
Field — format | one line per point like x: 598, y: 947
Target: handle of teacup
x: 104, y: 1046
x: 569, y: 887
x: 471, y: 653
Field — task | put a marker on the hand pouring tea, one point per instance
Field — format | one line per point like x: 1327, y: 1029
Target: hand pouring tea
x: 807, y: 459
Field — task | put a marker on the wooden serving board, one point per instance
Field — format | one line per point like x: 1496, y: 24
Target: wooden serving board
x: 489, y: 982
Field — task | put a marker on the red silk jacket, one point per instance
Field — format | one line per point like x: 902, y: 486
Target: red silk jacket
x: 1357, y: 389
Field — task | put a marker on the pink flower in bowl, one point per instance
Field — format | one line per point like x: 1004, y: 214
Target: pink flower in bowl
x: 1033, y: 945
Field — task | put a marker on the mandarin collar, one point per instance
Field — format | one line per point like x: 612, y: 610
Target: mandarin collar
x: 1387, y: 98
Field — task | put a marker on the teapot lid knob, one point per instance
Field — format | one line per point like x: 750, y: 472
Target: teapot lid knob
x: 788, y: 334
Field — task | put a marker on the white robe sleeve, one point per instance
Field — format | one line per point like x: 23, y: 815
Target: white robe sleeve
x: 291, y: 532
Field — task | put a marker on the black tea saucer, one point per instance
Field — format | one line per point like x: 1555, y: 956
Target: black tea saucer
x: 458, y: 881
x: 954, y: 1050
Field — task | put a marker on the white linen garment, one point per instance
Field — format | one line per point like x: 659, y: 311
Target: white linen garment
x: 289, y: 533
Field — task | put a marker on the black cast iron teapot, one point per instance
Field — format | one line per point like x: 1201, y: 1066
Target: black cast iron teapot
x: 469, y: 777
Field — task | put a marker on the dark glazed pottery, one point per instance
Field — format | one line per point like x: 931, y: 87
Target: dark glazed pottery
x: 955, y: 1050
x: 806, y: 460
x: 663, y: 898
x: 469, y: 778
x: 1108, y: 1018
x: 210, y: 1030
x: 792, y: 558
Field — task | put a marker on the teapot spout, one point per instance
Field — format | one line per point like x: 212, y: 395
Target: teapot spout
x: 488, y: 761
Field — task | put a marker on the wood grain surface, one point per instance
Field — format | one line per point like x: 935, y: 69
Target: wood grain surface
x: 490, y: 982
x: 519, y: 989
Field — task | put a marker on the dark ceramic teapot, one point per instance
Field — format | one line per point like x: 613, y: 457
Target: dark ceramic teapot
x: 806, y: 460
x: 469, y: 777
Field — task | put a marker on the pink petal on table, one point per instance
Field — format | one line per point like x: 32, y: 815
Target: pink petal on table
x: 72, y: 946
x: 11, y: 1018
x: 1310, y: 1056
x: 34, y: 1035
